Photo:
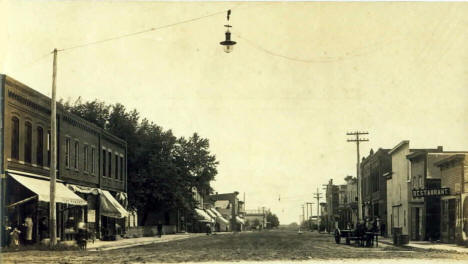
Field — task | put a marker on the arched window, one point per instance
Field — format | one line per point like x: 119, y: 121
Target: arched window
x: 15, y: 138
x: 40, y: 147
x: 28, y: 142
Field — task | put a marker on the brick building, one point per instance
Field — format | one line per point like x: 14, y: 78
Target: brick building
x: 91, y: 165
x: 374, y: 184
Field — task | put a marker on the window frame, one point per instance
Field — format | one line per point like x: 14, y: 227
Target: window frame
x: 15, y: 138
x: 76, y: 158
x: 27, y: 142
x: 40, y: 146
x: 67, y: 152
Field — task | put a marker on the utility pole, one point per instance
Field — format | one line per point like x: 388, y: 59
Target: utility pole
x: 302, y: 214
x: 357, y: 139
x: 309, y: 215
x: 53, y: 156
x: 318, y: 196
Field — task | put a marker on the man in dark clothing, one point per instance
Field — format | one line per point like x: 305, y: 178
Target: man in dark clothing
x: 43, y: 229
x: 160, y: 226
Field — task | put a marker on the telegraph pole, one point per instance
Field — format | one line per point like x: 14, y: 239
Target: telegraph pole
x: 53, y: 157
x: 309, y: 215
x: 318, y: 196
x: 303, y: 215
x: 357, y: 139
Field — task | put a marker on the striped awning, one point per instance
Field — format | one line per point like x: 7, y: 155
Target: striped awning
x: 203, y: 216
x: 41, y: 187
x: 240, y: 220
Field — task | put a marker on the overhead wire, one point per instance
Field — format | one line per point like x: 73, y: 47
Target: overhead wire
x: 147, y: 30
x: 325, y: 59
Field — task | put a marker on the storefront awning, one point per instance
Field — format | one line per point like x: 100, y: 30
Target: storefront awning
x: 219, y: 218
x: 42, y: 189
x: 210, y: 213
x: 203, y: 216
x: 110, y: 207
x: 83, y: 189
x: 239, y: 220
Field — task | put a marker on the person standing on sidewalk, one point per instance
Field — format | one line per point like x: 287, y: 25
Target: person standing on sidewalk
x: 28, y: 223
x: 160, y: 226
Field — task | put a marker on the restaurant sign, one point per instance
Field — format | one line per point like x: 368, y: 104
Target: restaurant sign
x: 430, y: 192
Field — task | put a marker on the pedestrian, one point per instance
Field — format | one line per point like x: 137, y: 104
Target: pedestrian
x: 43, y: 228
x: 82, y: 236
x: 159, y: 226
x: 14, y: 238
x: 382, y: 229
x: 208, y: 229
x: 69, y: 228
x: 28, y: 223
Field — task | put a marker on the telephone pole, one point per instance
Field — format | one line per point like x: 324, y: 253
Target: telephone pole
x: 357, y: 139
x: 53, y: 156
x: 302, y: 215
x: 317, y: 196
x: 309, y: 215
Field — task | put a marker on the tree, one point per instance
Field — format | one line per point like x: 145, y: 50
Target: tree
x: 256, y: 223
x: 197, y: 162
x: 272, y: 219
x: 162, y: 169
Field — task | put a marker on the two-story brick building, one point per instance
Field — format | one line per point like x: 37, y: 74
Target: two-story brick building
x: 374, y: 168
x: 91, y: 165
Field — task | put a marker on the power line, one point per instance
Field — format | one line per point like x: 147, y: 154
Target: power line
x: 324, y: 59
x: 141, y: 32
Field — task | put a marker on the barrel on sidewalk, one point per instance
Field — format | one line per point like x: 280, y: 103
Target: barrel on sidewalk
x: 398, y: 238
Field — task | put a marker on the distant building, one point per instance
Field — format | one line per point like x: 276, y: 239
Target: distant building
x: 232, y: 209
x: 374, y: 168
x: 257, y: 215
x: 332, y: 202
x: 351, y: 201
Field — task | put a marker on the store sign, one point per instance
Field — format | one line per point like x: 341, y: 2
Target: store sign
x: 430, y: 192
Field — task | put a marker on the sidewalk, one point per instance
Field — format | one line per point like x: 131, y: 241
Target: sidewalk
x: 132, y: 242
x: 428, y: 245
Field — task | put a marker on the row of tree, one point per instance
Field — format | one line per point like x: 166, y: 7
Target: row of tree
x: 162, y: 168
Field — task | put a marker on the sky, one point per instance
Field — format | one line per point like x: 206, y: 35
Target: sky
x: 277, y: 109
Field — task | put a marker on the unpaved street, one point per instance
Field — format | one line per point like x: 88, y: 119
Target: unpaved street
x: 256, y: 246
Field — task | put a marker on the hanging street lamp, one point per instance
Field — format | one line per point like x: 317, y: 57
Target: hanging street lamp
x: 228, y: 43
